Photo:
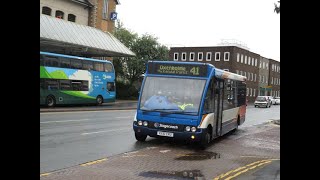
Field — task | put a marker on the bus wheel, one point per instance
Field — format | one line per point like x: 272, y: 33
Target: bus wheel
x: 140, y: 137
x: 205, y: 141
x: 99, y: 100
x: 50, y: 101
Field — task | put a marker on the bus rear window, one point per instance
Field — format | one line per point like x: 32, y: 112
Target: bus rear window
x: 108, y: 67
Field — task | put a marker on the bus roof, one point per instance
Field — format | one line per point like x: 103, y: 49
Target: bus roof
x: 76, y: 57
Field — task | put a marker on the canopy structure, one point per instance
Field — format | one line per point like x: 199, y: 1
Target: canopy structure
x: 61, y: 36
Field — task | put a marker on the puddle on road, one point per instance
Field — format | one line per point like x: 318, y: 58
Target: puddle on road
x: 187, y: 174
x: 202, y: 155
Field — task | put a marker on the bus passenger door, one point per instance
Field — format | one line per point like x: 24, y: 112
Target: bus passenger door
x: 218, y: 101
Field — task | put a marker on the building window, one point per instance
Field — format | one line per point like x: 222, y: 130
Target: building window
x: 267, y: 66
x: 59, y: 14
x: 247, y: 91
x: 217, y: 54
x: 262, y: 79
x: 266, y: 79
x: 250, y: 91
x: 238, y: 57
x: 263, y: 65
x: 208, y: 56
x: 183, y: 56
x: 46, y: 10
x: 249, y: 60
x: 105, y: 9
x: 200, y: 56
x: 226, y: 56
x: 71, y: 17
x: 272, y: 67
x: 271, y: 80
x: 254, y: 92
x: 256, y: 63
x: 252, y: 63
x: 251, y: 76
x: 245, y: 59
x: 260, y: 65
x: 259, y: 78
x: 175, y: 56
x: 241, y: 58
x: 192, y: 56
x: 255, y: 77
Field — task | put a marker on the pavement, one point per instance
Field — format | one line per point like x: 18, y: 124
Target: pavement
x: 118, y: 105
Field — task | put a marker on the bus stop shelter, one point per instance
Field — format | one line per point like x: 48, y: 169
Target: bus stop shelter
x: 61, y: 36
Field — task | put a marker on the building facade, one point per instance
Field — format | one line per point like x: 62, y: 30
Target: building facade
x: 235, y: 59
x: 100, y: 14
x: 274, y: 77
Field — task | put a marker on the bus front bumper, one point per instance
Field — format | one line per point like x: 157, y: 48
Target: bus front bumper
x: 177, y: 135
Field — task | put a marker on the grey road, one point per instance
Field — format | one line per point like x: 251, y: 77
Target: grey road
x: 71, y: 138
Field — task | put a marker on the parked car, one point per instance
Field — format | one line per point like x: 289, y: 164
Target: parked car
x: 276, y: 100
x: 262, y: 101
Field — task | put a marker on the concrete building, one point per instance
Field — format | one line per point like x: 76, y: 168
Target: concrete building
x: 236, y: 59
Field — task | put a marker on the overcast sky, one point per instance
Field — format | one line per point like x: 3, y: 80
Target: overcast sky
x: 206, y: 22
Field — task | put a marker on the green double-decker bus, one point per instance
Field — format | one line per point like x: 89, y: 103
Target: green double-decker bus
x: 66, y: 79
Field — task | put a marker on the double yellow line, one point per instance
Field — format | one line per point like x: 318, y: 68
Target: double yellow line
x: 234, y: 173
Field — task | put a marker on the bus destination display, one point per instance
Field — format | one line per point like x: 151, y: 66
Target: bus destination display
x: 178, y: 69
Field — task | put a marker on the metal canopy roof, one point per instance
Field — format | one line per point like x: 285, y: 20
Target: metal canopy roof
x: 60, y: 36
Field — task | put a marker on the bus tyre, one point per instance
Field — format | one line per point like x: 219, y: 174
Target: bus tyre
x: 50, y: 101
x: 140, y: 137
x: 205, y: 141
x: 99, y: 100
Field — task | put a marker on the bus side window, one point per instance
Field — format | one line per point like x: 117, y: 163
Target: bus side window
x: 87, y: 65
x: 51, y: 84
x: 64, y: 62
x: 76, y: 64
x: 209, y: 101
x: 51, y: 61
x: 41, y: 60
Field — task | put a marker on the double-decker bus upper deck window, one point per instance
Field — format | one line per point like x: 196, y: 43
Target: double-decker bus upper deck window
x: 76, y: 64
x: 108, y: 67
x: 41, y: 60
x: 87, y: 65
x: 65, y: 62
x: 98, y: 66
x: 51, y: 61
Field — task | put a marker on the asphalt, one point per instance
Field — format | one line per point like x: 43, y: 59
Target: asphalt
x: 118, y: 105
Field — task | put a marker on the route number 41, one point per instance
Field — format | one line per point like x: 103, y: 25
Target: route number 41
x: 195, y: 70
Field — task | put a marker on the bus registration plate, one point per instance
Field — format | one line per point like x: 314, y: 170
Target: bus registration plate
x: 168, y: 134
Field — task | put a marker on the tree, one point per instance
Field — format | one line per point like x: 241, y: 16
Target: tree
x: 146, y: 47
x: 277, y: 8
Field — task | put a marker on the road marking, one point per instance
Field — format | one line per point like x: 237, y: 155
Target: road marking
x: 246, y: 168
x: 105, y: 131
x: 73, y: 112
x: 75, y: 120
x: 44, y: 174
x: 93, y: 162
x: 126, y: 117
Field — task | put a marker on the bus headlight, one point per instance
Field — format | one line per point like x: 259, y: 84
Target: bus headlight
x: 193, y: 129
x: 140, y: 123
x: 187, y: 128
x: 145, y: 123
